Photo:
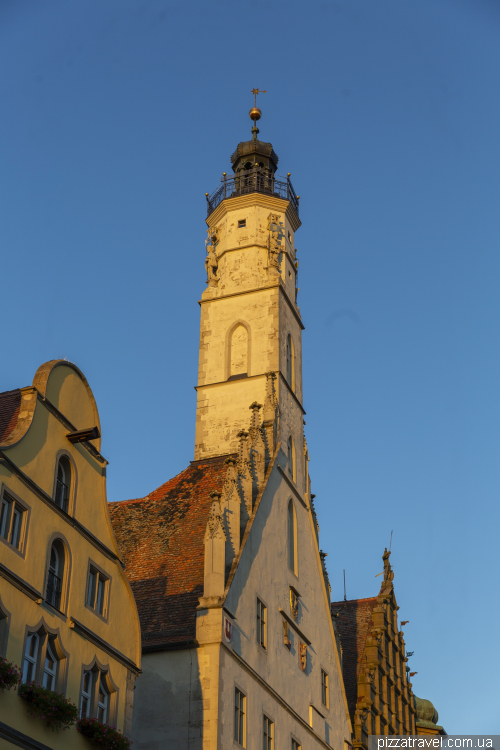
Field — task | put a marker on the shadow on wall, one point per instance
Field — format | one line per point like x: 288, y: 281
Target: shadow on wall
x: 168, y: 705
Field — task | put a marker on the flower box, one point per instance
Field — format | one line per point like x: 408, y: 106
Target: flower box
x: 10, y: 674
x: 102, y: 735
x: 57, y: 711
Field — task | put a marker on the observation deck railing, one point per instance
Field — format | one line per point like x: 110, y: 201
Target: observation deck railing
x: 256, y: 180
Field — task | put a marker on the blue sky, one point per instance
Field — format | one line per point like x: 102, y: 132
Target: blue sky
x: 116, y: 118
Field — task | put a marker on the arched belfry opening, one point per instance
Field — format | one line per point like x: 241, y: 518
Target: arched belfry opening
x: 238, y: 352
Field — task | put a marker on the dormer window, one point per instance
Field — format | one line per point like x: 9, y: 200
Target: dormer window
x: 63, y: 484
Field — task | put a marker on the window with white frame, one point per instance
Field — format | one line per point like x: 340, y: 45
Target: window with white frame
x: 289, y: 361
x: 97, y: 586
x: 95, y: 695
x: 11, y: 521
x: 268, y: 734
x: 50, y: 668
x: 102, y: 701
x: 31, y: 657
x: 44, y: 660
x: 86, y: 694
x: 240, y: 705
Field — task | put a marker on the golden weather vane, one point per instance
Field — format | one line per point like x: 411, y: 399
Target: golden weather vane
x: 255, y: 113
x: 255, y: 92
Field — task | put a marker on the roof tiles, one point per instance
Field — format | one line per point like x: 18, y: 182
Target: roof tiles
x: 10, y: 402
x: 161, y: 539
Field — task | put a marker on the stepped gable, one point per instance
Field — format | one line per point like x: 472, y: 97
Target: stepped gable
x: 10, y: 402
x: 353, y: 623
x: 161, y: 540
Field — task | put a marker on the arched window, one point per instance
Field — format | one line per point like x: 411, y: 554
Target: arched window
x: 238, y: 353
x: 290, y: 368
x: 291, y: 458
x: 45, y: 661
x: 31, y: 657
x: 292, y: 538
x: 55, y: 575
x: 63, y: 483
x: 98, y: 695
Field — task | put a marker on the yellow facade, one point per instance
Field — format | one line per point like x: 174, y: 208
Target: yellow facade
x: 63, y: 591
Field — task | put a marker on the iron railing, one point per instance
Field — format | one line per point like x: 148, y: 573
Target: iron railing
x: 54, y: 589
x: 256, y: 180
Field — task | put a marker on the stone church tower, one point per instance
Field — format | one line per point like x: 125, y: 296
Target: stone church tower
x: 238, y: 644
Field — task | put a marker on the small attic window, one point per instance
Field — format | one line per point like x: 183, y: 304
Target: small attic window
x: 242, y: 223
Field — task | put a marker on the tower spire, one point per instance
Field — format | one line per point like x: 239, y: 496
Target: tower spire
x: 255, y: 112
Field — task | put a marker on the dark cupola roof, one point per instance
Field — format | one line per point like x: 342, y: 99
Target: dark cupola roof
x: 254, y: 153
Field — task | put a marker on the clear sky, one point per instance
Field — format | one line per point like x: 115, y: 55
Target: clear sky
x: 117, y: 116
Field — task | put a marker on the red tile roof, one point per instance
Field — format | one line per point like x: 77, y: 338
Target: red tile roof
x: 161, y: 540
x: 353, y: 623
x: 10, y: 402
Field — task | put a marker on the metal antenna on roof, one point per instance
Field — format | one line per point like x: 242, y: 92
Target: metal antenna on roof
x: 345, y: 597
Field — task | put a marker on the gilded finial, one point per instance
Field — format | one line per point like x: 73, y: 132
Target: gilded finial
x: 255, y: 113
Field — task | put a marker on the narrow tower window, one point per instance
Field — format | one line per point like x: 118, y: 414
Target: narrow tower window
x: 290, y: 370
x: 261, y: 624
x: 292, y: 537
x: 239, y: 353
x: 291, y: 458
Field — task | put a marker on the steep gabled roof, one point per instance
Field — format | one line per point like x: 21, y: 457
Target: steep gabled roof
x: 161, y: 540
x: 353, y: 622
x: 10, y: 403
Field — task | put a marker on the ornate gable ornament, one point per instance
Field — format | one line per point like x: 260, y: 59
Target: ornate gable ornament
x: 215, y: 525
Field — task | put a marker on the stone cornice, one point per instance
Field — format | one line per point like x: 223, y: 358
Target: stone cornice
x: 15, y: 737
x: 89, y: 635
x: 254, y: 377
x: 254, y: 199
x: 20, y: 584
x: 276, y: 696
x: 279, y: 285
x: 229, y: 382
x: 282, y: 378
x: 31, y: 485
